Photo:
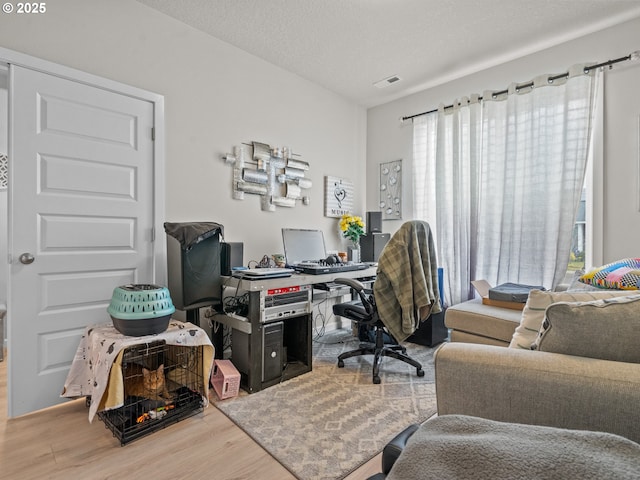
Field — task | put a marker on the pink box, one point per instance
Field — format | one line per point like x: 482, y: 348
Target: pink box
x: 225, y: 379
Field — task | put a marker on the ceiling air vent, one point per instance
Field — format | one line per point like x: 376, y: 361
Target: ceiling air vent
x: 387, y: 81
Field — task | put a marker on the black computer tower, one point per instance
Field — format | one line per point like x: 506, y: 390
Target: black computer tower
x: 371, y: 246
x: 272, y: 361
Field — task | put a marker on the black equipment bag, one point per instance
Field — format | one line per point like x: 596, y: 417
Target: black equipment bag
x: 512, y: 292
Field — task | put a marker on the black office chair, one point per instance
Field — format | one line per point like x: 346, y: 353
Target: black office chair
x: 364, y: 312
x: 409, y: 254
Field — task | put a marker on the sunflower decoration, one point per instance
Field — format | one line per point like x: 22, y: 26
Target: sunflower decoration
x: 352, y: 227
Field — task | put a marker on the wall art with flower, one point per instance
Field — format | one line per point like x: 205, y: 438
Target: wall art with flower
x: 391, y: 190
x: 4, y: 171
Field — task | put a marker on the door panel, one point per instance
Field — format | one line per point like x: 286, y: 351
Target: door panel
x: 77, y: 177
x: 83, y: 233
x: 99, y: 123
x: 81, y: 203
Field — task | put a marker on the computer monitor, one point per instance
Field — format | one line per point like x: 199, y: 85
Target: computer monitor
x: 303, y: 245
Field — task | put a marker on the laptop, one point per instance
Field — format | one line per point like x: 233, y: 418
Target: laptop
x: 303, y: 246
x: 305, y: 252
x: 262, y: 273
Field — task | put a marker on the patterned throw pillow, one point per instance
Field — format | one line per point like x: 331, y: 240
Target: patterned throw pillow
x: 577, y: 286
x: 534, y: 309
x: 621, y: 275
x: 607, y: 329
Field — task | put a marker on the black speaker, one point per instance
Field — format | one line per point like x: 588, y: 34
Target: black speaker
x: 371, y: 246
x: 272, y: 359
x: 232, y: 256
x: 431, y: 332
x: 374, y: 222
x: 194, y: 274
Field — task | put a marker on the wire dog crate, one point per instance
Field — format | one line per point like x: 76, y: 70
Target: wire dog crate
x: 144, y: 413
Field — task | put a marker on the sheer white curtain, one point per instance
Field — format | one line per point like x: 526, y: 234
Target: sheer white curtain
x: 499, y: 179
x: 445, y: 191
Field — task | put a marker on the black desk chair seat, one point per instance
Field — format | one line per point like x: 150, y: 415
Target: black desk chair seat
x: 364, y: 312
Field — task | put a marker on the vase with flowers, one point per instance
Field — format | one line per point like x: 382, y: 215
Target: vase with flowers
x: 352, y: 228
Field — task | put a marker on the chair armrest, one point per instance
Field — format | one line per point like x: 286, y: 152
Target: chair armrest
x: 362, y: 292
x: 539, y: 388
x: 393, y: 449
x: 350, y: 282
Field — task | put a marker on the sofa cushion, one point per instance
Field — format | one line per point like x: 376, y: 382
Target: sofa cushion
x: 482, y: 320
x: 465, y: 337
x: 621, y: 275
x: 538, y: 301
x: 607, y: 329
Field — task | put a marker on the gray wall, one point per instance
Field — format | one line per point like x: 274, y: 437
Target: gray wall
x: 388, y: 140
x: 216, y: 96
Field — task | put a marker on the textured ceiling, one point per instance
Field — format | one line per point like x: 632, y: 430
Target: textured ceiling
x: 348, y: 45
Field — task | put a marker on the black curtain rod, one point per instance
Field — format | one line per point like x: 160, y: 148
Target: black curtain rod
x: 608, y: 63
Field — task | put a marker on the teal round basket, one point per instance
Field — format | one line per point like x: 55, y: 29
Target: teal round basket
x: 141, y: 309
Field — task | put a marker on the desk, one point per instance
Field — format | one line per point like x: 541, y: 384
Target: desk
x: 272, y: 343
x: 296, y: 279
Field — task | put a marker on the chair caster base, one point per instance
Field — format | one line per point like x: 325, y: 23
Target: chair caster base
x: 376, y: 380
x: 420, y: 372
x: 341, y: 364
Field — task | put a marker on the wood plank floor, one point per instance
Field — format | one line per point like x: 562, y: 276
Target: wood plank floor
x: 60, y: 443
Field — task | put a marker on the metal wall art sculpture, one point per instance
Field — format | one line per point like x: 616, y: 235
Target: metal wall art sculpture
x: 4, y: 171
x: 391, y: 190
x: 270, y: 172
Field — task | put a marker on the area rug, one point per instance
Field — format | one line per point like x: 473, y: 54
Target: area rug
x: 326, y: 423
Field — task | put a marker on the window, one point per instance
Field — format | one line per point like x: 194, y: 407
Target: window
x: 501, y: 178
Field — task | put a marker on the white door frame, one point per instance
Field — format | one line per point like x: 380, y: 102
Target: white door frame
x: 159, y: 272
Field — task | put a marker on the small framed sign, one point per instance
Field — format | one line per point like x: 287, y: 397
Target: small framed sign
x: 338, y: 196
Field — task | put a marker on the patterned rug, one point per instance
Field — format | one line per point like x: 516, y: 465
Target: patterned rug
x: 326, y: 423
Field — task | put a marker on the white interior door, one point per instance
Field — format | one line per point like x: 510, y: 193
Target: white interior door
x: 80, y: 221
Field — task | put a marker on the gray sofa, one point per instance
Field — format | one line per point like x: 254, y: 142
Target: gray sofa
x: 538, y: 388
x: 584, y: 373
x: 573, y: 366
x: 518, y: 386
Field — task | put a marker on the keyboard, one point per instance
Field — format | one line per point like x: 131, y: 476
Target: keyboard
x: 312, y: 268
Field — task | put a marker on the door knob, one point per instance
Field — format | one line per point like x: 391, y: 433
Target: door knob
x: 27, y: 258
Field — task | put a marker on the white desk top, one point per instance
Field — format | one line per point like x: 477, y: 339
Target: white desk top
x: 295, y: 279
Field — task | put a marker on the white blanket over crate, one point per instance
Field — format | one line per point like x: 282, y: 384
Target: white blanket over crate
x: 102, y: 347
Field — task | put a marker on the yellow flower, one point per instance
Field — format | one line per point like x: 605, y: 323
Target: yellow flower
x: 352, y: 227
